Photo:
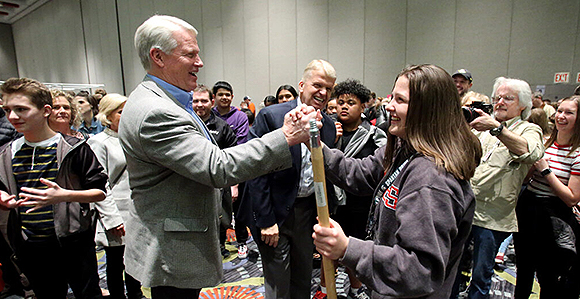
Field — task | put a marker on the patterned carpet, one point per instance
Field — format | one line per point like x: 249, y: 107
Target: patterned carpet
x: 243, y: 278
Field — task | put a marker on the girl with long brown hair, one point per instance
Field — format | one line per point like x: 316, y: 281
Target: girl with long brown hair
x: 423, y: 204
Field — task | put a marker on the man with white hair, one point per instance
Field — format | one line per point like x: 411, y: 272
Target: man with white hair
x: 283, y: 202
x: 175, y: 167
x: 510, y: 146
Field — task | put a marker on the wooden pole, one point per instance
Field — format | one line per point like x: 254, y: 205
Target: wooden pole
x: 321, y: 202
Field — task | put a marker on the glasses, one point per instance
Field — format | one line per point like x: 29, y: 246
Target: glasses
x: 506, y: 99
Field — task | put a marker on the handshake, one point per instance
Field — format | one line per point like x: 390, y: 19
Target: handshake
x: 296, y: 126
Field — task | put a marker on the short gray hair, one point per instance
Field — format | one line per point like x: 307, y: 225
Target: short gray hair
x: 522, y: 88
x: 157, y: 32
x: 319, y: 64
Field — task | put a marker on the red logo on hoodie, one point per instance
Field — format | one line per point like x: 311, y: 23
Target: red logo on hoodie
x: 390, y: 197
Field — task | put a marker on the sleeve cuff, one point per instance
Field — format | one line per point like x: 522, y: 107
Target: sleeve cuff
x: 355, y: 249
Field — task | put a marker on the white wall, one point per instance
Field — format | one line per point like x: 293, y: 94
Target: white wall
x: 258, y: 45
x: 8, y: 67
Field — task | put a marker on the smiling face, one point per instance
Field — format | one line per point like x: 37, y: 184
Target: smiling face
x: 566, y: 117
x: 462, y: 84
x: 223, y: 98
x: 315, y: 89
x: 349, y: 109
x: 24, y: 115
x: 61, y: 112
x: 179, y: 67
x: 202, y: 104
x: 398, y: 107
x: 506, y: 104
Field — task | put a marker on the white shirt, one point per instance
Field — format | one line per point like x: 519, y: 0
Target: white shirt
x: 306, y: 184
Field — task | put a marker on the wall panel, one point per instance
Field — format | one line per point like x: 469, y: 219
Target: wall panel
x: 384, y: 44
x: 346, y: 24
x: 576, y: 60
x: 130, y: 17
x: 482, y: 41
x: 102, y: 44
x: 50, y: 45
x: 211, y: 46
x: 430, y: 32
x: 543, y: 39
x: 282, y: 26
x: 258, y: 45
x: 233, y: 40
x: 8, y: 65
x: 311, y: 32
x: 257, y: 84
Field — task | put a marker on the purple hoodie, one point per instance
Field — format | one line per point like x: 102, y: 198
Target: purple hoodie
x: 238, y: 121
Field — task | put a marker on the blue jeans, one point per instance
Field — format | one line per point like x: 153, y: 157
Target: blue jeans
x: 504, y: 245
x: 486, y: 243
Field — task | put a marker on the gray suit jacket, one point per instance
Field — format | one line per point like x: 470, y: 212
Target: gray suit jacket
x: 172, y: 233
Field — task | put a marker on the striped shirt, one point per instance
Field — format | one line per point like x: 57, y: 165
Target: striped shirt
x: 561, y: 165
x: 30, y: 162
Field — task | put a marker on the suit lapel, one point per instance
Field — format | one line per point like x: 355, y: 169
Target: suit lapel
x: 328, y: 132
x: 158, y: 90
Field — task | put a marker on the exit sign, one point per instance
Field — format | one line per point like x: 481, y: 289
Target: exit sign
x: 562, y: 77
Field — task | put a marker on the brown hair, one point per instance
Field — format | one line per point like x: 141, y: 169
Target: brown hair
x: 576, y: 136
x: 435, y: 126
x: 538, y: 117
x: 38, y: 93
x: 202, y: 88
x: 90, y: 99
x: 75, y: 120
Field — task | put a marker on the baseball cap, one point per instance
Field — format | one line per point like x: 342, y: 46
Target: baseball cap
x: 465, y: 73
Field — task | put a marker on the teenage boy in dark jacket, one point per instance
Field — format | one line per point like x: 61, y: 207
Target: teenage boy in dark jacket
x: 220, y: 130
x: 48, y: 182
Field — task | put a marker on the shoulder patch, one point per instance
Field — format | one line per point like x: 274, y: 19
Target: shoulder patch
x: 390, y: 197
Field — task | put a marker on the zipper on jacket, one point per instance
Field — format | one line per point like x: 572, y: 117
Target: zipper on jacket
x: 33, y: 156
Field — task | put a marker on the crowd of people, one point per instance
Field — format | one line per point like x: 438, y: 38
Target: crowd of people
x: 423, y: 185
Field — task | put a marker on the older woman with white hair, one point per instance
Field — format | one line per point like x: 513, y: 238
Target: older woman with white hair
x: 115, y: 208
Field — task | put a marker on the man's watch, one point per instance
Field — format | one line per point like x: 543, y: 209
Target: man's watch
x: 546, y: 172
x: 496, y: 131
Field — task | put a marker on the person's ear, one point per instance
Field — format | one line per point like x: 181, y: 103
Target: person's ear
x: 301, y: 86
x: 47, y: 110
x: 157, y: 56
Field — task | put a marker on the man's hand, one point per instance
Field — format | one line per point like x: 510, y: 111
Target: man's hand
x: 542, y: 164
x: 338, y: 126
x: 330, y: 242
x: 271, y: 235
x: 8, y: 201
x: 43, y: 197
x: 514, y: 142
x: 296, y: 124
x: 118, y: 231
x: 484, y: 122
x: 235, y: 193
